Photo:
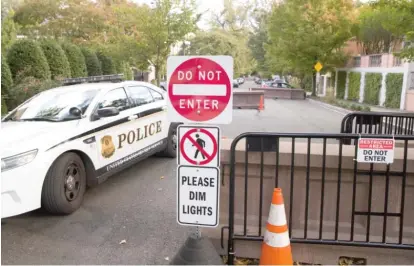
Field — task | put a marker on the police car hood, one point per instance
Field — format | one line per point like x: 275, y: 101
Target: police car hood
x: 18, y: 137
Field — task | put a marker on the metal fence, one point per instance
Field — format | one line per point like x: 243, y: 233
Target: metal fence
x: 378, y: 123
x: 316, y: 210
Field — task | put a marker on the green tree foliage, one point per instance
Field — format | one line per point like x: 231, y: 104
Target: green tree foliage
x: 394, y: 83
x: 8, y: 31
x: 56, y: 58
x: 340, y: 86
x: 169, y: 22
x: 6, y: 77
x: 372, y: 88
x: 107, y: 63
x: 4, y: 108
x: 26, y: 56
x: 221, y: 42
x: 354, y: 85
x: 301, y: 32
x: 76, y: 60
x: 93, y: 65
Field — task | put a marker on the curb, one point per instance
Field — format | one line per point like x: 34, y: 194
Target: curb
x: 330, y: 106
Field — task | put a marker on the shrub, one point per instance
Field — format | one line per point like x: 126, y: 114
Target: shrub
x: 93, y: 66
x: 6, y: 78
x: 340, y: 86
x: 107, y: 64
x: 307, y: 83
x: 26, y: 87
x: 27, y: 58
x: 372, y: 88
x: 354, y: 85
x: 3, y: 106
x: 76, y: 60
x: 394, y: 82
x: 56, y: 57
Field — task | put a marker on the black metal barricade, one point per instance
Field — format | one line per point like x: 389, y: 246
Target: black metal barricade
x: 313, y: 231
x: 378, y: 123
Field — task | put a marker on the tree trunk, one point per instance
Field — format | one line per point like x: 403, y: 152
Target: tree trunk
x: 157, y: 75
x: 314, y: 84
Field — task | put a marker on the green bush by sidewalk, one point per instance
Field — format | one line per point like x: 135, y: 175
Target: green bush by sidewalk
x: 394, y: 83
x: 25, y: 57
x: 76, y: 60
x: 340, y: 87
x: 107, y: 64
x: 56, y: 58
x: 93, y: 66
x: 354, y: 86
x: 372, y: 88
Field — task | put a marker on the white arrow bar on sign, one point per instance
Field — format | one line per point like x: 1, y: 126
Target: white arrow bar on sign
x: 199, y: 89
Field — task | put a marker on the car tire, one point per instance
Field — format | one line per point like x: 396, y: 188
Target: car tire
x: 64, y: 185
x: 172, y: 143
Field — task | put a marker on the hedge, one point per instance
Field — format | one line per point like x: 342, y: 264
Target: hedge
x: 93, y: 66
x: 6, y: 78
x: 354, y: 84
x: 107, y: 64
x: 341, y: 84
x: 26, y: 88
x: 56, y: 57
x: 25, y: 57
x: 394, y: 83
x: 372, y: 88
x: 3, y: 106
x: 76, y: 60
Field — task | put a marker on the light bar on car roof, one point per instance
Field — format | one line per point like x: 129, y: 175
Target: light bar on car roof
x: 111, y: 78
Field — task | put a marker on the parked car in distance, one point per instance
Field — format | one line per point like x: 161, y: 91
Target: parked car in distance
x: 240, y: 80
x: 235, y: 83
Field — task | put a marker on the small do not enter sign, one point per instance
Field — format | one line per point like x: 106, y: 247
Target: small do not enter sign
x: 200, y: 89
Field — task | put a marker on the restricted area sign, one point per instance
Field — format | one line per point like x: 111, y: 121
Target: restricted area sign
x: 376, y: 150
x: 200, y: 89
x: 199, y: 145
x: 198, y: 196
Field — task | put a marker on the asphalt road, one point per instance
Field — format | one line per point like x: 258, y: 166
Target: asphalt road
x: 138, y: 205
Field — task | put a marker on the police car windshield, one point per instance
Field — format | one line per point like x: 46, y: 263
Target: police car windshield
x: 53, y: 106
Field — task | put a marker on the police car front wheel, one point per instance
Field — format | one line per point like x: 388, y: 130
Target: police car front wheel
x: 64, y: 185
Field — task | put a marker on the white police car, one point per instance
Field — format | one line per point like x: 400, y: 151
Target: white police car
x: 63, y: 140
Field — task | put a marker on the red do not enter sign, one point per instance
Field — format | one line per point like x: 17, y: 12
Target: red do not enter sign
x: 200, y: 90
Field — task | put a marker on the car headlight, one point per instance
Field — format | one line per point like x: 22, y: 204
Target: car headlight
x: 17, y: 160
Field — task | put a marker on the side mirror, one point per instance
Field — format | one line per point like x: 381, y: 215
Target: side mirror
x: 75, y: 111
x: 108, y: 111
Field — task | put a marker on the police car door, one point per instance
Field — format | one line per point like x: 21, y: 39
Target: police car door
x: 151, y: 125
x: 110, y: 128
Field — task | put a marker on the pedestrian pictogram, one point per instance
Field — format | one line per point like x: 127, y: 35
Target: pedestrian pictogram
x: 200, y: 89
x: 199, y: 145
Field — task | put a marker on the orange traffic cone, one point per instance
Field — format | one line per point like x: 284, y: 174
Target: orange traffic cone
x: 261, y: 104
x: 276, y: 245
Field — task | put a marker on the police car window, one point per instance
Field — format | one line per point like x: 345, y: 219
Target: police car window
x: 115, y: 98
x: 156, y: 95
x: 140, y: 95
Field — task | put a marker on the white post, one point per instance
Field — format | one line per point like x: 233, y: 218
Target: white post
x: 383, y: 90
x: 362, y: 88
x: 336, y: 81
x: 346, y: 86
x: 325, y: 81
x: 405, y: 85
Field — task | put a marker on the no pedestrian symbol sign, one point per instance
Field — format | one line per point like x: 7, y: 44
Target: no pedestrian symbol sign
x: 375, y: 150
x: 199, y: 145
x: 200, y: 89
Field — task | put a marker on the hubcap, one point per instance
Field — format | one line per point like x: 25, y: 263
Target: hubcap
x: 72, y: 182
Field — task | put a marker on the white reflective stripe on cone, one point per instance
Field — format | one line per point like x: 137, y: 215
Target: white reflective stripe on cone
x: 277, y: 215
x: 277, y: 240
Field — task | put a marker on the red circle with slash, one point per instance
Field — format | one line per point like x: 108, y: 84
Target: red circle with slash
x: 187, y: 136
